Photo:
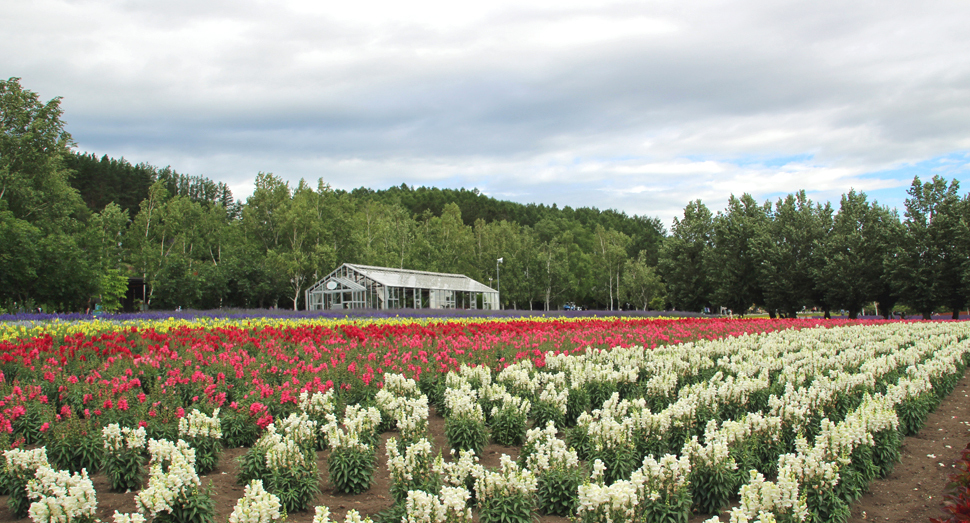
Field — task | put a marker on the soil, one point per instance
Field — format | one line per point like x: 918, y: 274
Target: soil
x: 911, y: 493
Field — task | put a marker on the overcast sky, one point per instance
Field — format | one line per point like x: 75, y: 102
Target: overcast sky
x: 637, y: 106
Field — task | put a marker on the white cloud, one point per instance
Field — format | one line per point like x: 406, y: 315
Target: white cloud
x: 638, y: 106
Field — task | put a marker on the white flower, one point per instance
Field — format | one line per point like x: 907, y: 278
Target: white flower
x: 256, y: 506
x: 61, y: 497
x: 197, y: 425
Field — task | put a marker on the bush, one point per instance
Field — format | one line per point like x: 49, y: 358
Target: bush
x: 351, y: 468
x: 74, y: 445
x: 509, y: 421
x: 124, y: 457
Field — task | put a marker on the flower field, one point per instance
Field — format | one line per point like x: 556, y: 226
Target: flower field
x: 611, y: 419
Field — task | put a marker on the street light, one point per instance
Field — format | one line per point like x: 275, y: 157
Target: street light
x: 498, y: 279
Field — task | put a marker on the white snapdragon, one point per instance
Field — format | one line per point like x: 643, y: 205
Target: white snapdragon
x: 164, y: 451
x: 20, y: 461
x: 61, y: 497
x: 422, y: 507
x: 256, y: 506
x: 663, y: 479
x: 510, y: 480
x: 455, y: 502
x: 412, y: 418
x: 463, y: 403
x: 353, y: 516
x: 416, y: 460
x: 517, y: 378
x: 284, y: 454
x: 197, y: 425
x: 359, y: 423
x: 319, y: 404
x: 299, y: 428
x: 477, y: 376
x: 763, y: 500
x: 166, y: 487
x: 361, y: 420
x: 548, y: 451
x: 321, y: 514
x: 401, y: 386
x: 457, y: 473
x: 513, y: 405
x: 448, y: 507
x: 616, y: 503
x: 117, y: 438
x: 133, y: 517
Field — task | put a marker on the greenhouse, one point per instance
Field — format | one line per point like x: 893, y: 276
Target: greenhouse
x: 354, y: 286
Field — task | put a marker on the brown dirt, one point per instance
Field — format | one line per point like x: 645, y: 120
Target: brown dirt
x: 912, y: 493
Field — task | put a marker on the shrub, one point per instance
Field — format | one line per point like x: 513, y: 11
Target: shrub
x: 556, y: 468
x: 509, y: 420
x: 352, y: 461
x: 19, y: 468
x: 74, y: 445
x: 465, y: 425
x: 411, y: 470
x: 256, y: 506
x: 124, y: 458
x: 174, y: 493
x: 203, y: 433
x: 60, y: 497
x: 506, y: 496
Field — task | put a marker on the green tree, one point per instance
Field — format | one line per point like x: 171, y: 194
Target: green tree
x: 641, y: 283
x: 734, y: 264
x: 790, y: 251
x: 610, y: 256
x: 927, y: 265
x: 853, y: 273
x: 684, y: 257
x: 106, y: 233
x: 42, y: 255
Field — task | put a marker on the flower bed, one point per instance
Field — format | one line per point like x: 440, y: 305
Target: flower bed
x: 660, y: 428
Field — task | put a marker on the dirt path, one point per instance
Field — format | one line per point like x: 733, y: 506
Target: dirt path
x: 912, y: 493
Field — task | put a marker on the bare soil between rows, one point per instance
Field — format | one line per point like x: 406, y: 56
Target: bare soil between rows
x: 911, y: 493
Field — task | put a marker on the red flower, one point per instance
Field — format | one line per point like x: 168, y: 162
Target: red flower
x: 264, y: 421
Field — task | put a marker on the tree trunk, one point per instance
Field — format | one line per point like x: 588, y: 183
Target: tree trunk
x: 956, y: 315
x: 828, y: 314
x: 928, y: 315
x: 853, y: 315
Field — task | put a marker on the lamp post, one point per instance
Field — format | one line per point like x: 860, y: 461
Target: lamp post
x: 498, y: 280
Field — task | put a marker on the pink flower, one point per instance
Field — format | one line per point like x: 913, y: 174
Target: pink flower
x: 45, y: 426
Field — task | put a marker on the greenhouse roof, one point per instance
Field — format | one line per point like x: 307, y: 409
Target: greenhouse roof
x: 420, y: 279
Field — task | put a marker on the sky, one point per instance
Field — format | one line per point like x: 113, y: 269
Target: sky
x: 636, y: 106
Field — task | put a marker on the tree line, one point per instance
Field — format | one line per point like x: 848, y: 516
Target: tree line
x: 795, y: 253
x: 75, y: 227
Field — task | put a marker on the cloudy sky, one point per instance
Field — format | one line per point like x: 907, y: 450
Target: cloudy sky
x: 637, y: 106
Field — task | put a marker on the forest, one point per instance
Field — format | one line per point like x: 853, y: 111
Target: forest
x: 74, y: 227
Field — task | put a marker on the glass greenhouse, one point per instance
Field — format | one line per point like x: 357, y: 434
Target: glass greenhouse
x: 354, y: 286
